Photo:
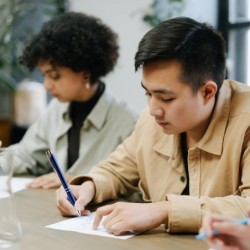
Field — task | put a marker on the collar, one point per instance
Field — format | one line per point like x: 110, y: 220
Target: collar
x: 96, y: 117
x: 218, y: 123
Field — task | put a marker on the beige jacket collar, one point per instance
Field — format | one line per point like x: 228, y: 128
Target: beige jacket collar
x: 169, y: 144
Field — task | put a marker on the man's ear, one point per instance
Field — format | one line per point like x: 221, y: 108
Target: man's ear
x: 209, y: 90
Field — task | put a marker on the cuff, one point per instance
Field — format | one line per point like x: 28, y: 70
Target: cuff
x: 184, y: 214
x: 78, y: 180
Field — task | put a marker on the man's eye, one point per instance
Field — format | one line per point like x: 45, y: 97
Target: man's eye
x: 168, y: 100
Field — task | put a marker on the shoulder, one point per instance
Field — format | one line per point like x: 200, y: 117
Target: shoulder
x: 240, y: 97
x: 116, y: 108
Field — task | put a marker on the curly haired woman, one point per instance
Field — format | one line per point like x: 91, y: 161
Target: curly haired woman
x: 83, y: 123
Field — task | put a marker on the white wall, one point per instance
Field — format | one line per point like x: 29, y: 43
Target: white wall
x: 125, y: 18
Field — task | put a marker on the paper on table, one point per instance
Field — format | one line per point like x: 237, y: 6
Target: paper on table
x: 19, y: 183
x: 84, y: 225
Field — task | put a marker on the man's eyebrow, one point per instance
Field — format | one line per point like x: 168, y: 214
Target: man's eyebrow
x: 158, y: 91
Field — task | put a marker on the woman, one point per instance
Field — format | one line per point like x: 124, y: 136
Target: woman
x: 232, y: 236
x: 82, y: 123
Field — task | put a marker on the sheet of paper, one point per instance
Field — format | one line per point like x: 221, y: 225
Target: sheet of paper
x: 19, y: 183
x: 84, y: 225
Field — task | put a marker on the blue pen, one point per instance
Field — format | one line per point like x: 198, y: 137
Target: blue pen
x: 57, y: 169
x: 203, y: 235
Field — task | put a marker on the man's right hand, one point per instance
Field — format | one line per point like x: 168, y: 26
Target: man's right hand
x: 83, y: 193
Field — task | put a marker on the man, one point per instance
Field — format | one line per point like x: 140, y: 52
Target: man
x: 189, y: 153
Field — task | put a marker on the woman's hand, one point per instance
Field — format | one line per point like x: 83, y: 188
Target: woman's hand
x: 231, y: 237
x: 47, y: 181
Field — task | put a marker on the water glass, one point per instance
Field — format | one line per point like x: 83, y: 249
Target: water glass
x: 10, y: 228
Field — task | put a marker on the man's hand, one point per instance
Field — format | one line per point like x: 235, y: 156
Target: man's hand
x: 47, y: 181
x: 83, y: 193
x: 125, y: 217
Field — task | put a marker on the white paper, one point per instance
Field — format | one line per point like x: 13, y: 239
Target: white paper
x: 83, y: 225
x: 19, y: 183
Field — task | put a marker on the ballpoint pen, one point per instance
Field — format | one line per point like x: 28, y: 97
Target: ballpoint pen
x: 58, y: 171
x: 203, y: 235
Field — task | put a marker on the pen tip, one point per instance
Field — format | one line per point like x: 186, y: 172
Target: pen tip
x: 78, y: 212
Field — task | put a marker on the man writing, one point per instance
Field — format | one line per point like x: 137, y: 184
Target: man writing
x: 189, y: 153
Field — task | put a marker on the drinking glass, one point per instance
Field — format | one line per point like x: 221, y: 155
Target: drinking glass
x: 10, y: 228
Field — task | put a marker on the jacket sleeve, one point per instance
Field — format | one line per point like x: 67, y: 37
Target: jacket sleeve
x: 118, y: 174
x: 186, y: 212
x: 29, y: 153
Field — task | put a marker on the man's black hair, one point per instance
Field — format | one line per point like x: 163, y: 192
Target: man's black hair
x: 198, y: 47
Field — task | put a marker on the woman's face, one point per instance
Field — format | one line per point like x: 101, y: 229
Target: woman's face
x: 65, y: 84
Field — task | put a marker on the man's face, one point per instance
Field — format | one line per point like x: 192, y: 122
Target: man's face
x: 173, y: 104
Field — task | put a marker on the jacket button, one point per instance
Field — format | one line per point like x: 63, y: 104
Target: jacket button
x: 182, y: 179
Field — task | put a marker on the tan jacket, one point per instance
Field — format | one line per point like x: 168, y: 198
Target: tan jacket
x: 219, y: 165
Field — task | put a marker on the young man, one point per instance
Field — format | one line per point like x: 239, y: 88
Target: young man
x: 190, y: 152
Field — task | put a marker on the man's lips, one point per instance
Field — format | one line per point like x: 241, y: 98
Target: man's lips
x: 161, y: 123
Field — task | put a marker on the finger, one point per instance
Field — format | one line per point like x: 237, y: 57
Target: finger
x: 37, y: 183
x: 207, y: 226
x: 229, y: 228
x: 85, y: 212
x: 208, y: 223
x: 115, y: 226
x: 43, y: 180
x: 49, y: 185
x: 80, y: 205
x: 221, y: 218
x: 248, y: 214
x: 100, y: 212
x: 63, y: 204
x: 82, y: 197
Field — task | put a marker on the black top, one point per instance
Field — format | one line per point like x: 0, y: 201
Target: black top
x: 185, y: 161
x: 78, y: 113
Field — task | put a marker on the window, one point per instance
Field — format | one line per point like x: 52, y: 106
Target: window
x: 234, y: 23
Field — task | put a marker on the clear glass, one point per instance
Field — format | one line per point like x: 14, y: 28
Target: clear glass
x: 10, y: 228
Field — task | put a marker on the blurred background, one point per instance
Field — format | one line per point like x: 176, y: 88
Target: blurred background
x: 130, y: 19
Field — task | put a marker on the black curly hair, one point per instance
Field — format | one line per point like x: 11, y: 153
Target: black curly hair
x: 76, y: 41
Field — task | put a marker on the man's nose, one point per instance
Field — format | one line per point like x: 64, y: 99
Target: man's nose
x: 155, y: 108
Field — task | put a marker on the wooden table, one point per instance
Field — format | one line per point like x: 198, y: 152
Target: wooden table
x: 36, y: 209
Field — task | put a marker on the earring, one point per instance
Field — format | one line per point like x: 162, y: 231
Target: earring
x: 87, y: 85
